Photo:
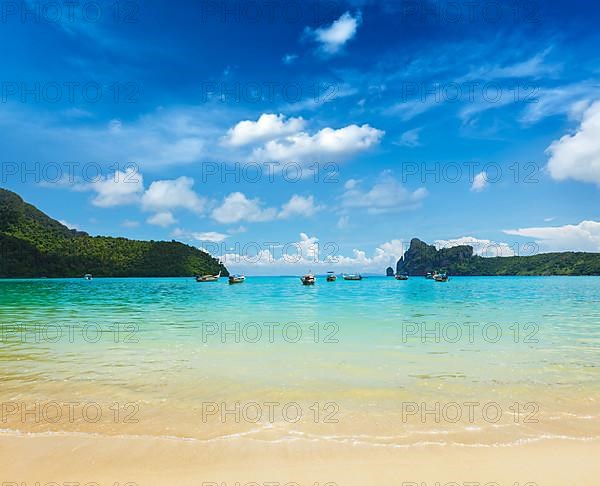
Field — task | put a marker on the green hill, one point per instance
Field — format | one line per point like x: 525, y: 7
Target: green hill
x: 34, y: 245
x: 421, y: 258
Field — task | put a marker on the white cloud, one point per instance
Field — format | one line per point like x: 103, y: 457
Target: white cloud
x: 69, y: 225
x: 577, y: 156
x: 333, y: 37
x: 164, y: 219
x: 481, y: 247
x: 327, y: 143
x: 207, y: 236
x: 387, y: 195
x: 172, y: 194
x: 116, y: 190
x: 409, y: 109
x: 212, y: 236
x: 237, y: 207
x: 480, y: 182
x: 310, y: 254
x: 569, y: 99
x: 584, y: 236
x: 268, y: 127
x: 299, y: 206
x: 158, y: 139
x: 534, y: 67
x: 409, y: 138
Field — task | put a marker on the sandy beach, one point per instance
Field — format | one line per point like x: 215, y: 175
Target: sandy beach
x: 149, y: 462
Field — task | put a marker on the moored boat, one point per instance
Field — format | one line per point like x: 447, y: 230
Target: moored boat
x: 208, y: 278
x: 331, y: 277
x: 308, y: 279
x: 441, y: 277
x: 353, y: 276
x: 88, y: 276
x: 429, y: 276
x: 234, y: 279
x: 401, y: 276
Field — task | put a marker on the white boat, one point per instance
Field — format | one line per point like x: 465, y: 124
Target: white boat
x: 208, y: 278
x: 401, y: 276
x: 88, y: 276
x: 440, y: 277
x: 234, y: 279
x: 331, y: 277
x: 353, y: 276
x: 308, y: 279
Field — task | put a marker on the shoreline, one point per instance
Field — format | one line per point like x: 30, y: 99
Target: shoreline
x: 161, y: 461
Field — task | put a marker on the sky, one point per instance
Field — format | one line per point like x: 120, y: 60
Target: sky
x: 283, y: 136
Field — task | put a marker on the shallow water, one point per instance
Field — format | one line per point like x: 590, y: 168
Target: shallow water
x: 473, y: 361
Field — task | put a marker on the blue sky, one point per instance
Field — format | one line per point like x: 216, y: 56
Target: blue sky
x: 312, y: 130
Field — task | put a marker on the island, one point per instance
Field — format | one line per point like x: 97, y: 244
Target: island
x: 34, y: 245
x: 421, y: 258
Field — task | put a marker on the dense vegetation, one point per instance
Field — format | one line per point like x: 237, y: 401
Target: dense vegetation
x: 421, y: 258
x: 35, y: 245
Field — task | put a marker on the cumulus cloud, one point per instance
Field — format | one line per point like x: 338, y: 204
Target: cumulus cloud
x: 268, y: 127
x: 117, y: 189
x: 481, y: 247
x: 309, y: 253
x: 480, y: 182
x: 387, y: 195
x: 237, y: 207
x: 328, y: 143
x: 168, y: 195
x: 584, y: 236
x: 333, y: 37
x: 299, y: 206
x: 577, y: 156
x: 163, y: 219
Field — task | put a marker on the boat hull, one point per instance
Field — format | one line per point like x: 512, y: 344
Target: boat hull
x: 208, y: 278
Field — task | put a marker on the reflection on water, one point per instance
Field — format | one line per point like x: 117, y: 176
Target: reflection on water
x: 169, y: 346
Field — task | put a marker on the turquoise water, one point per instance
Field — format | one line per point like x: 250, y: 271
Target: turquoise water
x: 368, y: 346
